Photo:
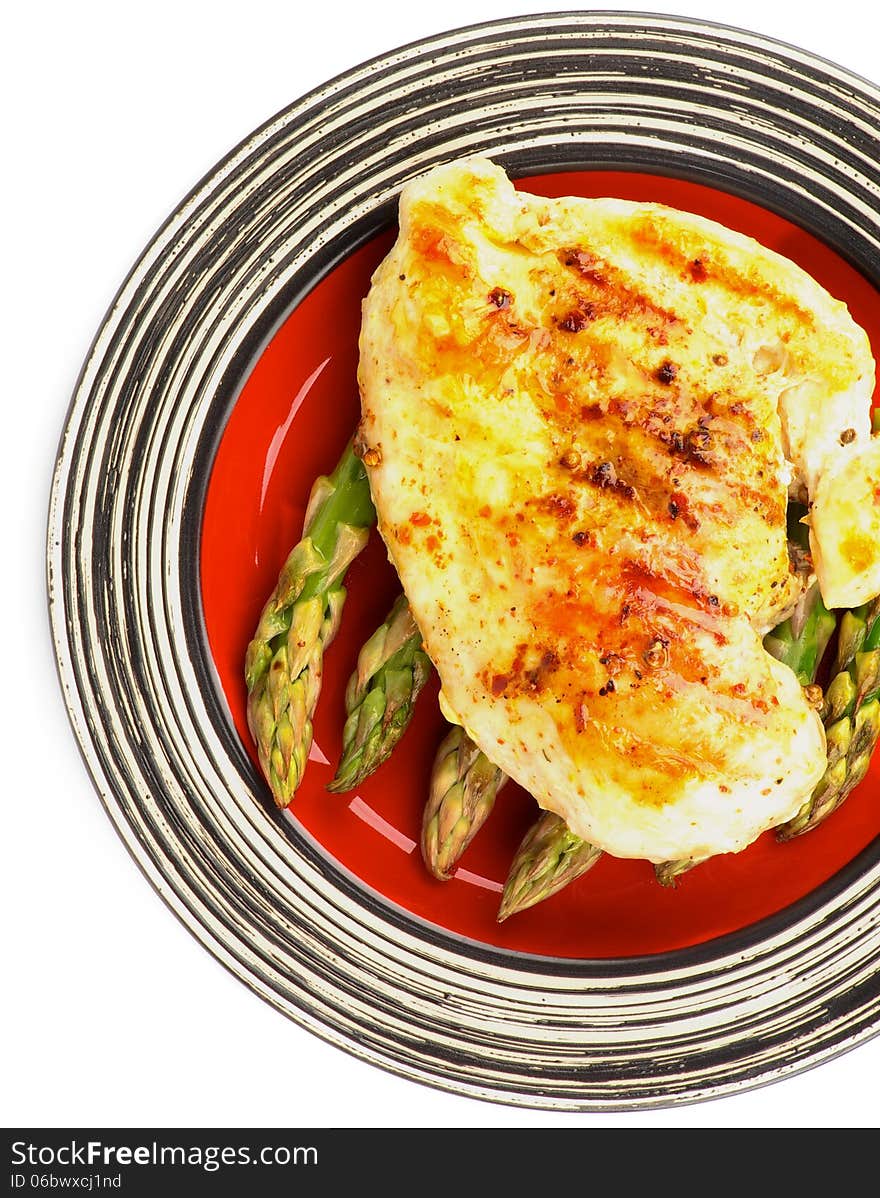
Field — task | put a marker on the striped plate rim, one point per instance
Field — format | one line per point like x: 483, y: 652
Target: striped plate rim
x: 610, y: 90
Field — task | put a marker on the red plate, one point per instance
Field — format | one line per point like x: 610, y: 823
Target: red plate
x: 290, y: 424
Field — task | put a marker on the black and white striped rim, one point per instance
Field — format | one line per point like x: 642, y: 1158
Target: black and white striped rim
x: 611, y: 90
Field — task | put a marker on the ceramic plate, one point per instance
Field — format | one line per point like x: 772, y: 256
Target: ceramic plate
x: 223, y: 381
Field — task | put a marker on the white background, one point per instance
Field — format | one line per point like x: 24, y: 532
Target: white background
x: 112, y: 1015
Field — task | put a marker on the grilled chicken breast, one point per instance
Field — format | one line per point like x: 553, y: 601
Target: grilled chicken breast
x: 582, y: 421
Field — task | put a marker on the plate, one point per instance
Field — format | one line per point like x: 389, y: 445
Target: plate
x: 221, y: 383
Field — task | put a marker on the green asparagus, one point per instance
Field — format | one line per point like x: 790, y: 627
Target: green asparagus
x: 464, y: 785
x: 800, y: 641
x: 380, y: 698
x: 549, y: 858
x: 284, y: 661
x: 851, y: 715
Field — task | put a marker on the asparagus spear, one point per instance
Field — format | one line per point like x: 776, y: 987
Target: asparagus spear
x: 284, y: 659
x: 851, y: 715
x: 380, y: 698
x: 464, y: 785
x: 800, y: 641
x: 549, y: 858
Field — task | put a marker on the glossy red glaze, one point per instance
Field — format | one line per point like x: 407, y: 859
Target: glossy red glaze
x: 296, y: 410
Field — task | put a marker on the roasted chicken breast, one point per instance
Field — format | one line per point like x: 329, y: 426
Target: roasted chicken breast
x: 582, y: 421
